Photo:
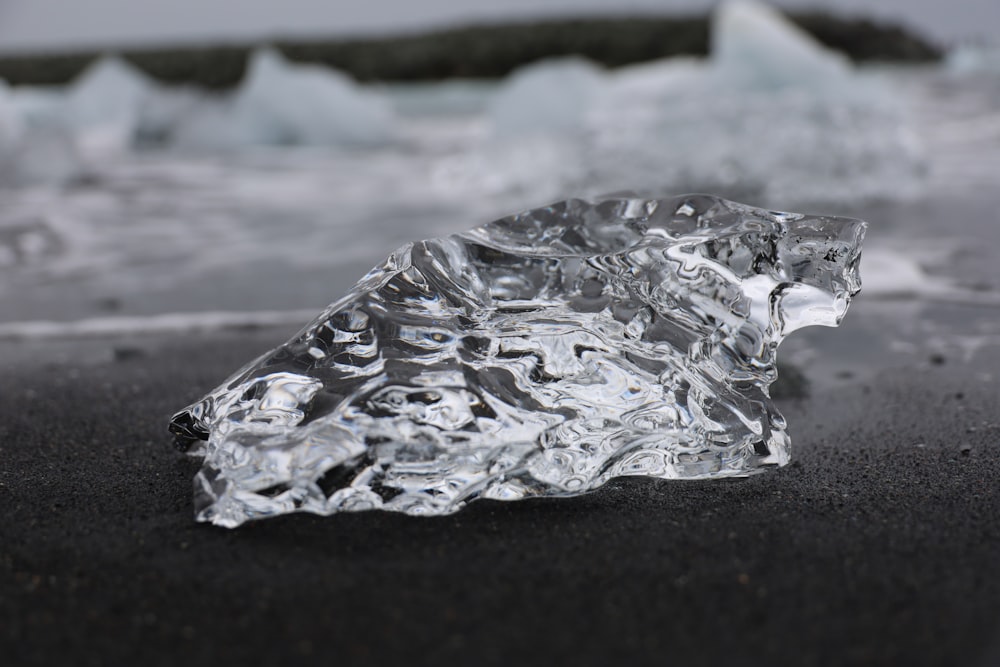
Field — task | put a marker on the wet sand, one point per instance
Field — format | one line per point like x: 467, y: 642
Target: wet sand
x: 877, y: 545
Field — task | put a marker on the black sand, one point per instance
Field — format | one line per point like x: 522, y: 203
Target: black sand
x: 880, y: 544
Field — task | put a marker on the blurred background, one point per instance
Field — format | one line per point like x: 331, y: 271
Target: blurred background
x: 176, y: 166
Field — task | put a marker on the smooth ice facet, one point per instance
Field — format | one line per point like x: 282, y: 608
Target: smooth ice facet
x: 538, y: 355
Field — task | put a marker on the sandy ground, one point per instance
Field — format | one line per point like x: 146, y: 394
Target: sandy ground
x: 879, y: 544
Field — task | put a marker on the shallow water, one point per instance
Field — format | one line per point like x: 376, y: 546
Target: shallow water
x: 289, y: 229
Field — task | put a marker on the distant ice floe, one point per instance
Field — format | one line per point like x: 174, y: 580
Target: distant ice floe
x: 771, y: 115
x: 103, y: 106
x: 546, y: 98
x: 771, y: 112
x: 281, y: 103
x: 754, y: 47
x: 35, y: 145
x: 974, y: 59
x: 54, y: 135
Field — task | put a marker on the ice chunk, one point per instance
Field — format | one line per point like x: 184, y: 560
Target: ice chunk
x: 39, y: 106
x: 103, y: 106
x: 33, y: 149
x: 51, y: 136
x: 538, y: 355
x: 281, y: 103
x: 11, y: 132
x: 164, y: 111
x: 754, y: 45
x: 42, y: 157
x: 974, y: 59
x: 772, y: 113
x: 10, y: 121
x: 441, y: 99
x: 552, y: 96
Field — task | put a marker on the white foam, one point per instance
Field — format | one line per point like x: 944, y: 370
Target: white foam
x: 172, y: 323
x: 892, y: 275
x: 38, y: 106
x: 888, y: 274
x: 51, y: 136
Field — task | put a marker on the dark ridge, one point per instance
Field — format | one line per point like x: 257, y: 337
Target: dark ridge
x: 476, y: 51
x: 865, y: 40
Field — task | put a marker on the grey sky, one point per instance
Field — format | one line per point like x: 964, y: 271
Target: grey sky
x: 65, y: 24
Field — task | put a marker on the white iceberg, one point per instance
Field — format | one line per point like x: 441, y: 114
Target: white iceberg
x: 10, y: 120
x: 772, y: 114
x: 974, y: 59
x: 38, y: 106
x: 51, y: 136
x: 755, y: 46
x: 287, y: 104
x: 551, y: 96
x: 34, y: 147
x: 103, y: 106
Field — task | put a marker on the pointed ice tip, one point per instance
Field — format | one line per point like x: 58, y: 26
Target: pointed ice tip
x: 612, y: 337
x: 756, y: 43
x: 187, y: 430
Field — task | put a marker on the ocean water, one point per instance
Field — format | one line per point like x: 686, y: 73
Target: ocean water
x: 164, y: 238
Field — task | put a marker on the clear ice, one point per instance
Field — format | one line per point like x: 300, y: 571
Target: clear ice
x: 541, y: 354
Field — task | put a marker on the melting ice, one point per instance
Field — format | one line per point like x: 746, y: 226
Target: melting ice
x: 542, y: 354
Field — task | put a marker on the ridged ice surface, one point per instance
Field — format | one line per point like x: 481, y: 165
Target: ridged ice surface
x: 538, y: 355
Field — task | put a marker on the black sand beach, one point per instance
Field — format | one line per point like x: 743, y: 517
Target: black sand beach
x: 879, y: 544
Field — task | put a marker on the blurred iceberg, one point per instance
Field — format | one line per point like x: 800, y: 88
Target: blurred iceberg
x: 548, y: 97
x: 102, y: 107
x: 771, y: 115
x: 777, y: 112
x: 37, y: 106
x: 974, y: 59
x: 755, y: 47
x: 35, y: 146
x: 53, y: 136
x: 285, y: 104
x: 10, y: 121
